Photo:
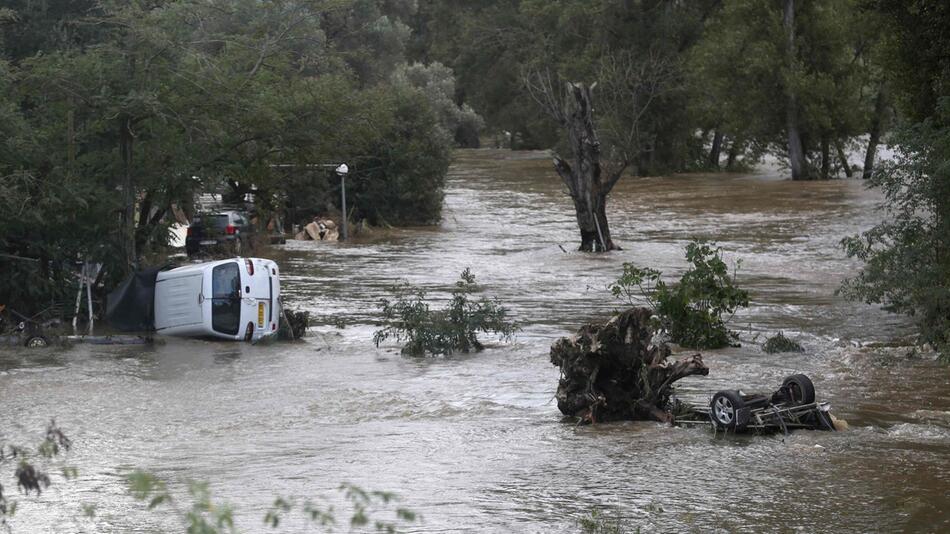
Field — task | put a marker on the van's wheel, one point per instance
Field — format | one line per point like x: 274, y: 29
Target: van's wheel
x: 800, y: 390
x: 34, y: 342
x: 724, y: 409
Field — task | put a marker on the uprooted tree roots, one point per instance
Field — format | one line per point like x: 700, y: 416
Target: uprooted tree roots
x: 613, y: 371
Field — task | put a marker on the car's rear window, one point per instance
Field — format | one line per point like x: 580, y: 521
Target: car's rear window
x: 226, y: 298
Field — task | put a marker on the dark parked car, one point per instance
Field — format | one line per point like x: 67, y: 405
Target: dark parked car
x: 230, y: 230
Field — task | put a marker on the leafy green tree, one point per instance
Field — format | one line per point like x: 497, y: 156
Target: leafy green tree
x: 437, y: 83
x: 783, y: 77
x: 907, y: 256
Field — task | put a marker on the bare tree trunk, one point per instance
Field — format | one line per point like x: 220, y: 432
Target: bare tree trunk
x: 125, y: 152
x: 716, y: 149
x: 825, y: 158
x: 733, y: 154
x: 796, y: 155
x: 877, y: 123
x: 843, y: 158
x: 585, y: 176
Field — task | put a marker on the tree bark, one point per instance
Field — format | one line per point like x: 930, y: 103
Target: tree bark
x: 615, y: 371
x: 877, y: 123
x: 733, y: 154
x: 125, y: 151
x: 716, y: 149
x: 587, y: 181
x: 825, y: 158
x: 843, y: 158
x: 796, y: 155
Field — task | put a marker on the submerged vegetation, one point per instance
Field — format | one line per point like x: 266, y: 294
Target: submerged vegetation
x: 408, y: 317
x: 779, y: 343
x: 695, y: 310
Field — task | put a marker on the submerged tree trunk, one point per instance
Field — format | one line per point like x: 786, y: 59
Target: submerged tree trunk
x: 615, y: 371
x: 843, y: 158
x: 586, y: 179
x: 716, y: 149
x: 877, y: 123
x: 733, y: 154
x: 796, y: 154
x: 825, y: 158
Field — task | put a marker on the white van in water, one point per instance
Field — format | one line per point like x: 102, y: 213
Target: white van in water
x: 232, y: 299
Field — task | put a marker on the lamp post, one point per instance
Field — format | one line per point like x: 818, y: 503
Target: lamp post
x: 342, y: 170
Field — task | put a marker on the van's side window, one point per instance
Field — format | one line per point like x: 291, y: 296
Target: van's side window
x: 226, y: 298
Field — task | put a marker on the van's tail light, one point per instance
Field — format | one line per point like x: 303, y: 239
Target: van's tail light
x: 230, y: 229
x: 190, y: 232
x: 250, y: 267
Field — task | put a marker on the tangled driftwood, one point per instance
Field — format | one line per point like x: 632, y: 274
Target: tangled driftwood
x: 614, y: 371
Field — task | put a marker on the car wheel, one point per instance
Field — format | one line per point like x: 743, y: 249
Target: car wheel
x: 800, y: 390
x: 724, y: 409
x: 34, y: 342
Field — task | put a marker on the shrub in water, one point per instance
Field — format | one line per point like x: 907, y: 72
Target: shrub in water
x: 780, y: 343
x: 443, y: 331
x: 690, y: 311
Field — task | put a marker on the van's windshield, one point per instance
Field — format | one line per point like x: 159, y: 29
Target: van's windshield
x: 226, y: 298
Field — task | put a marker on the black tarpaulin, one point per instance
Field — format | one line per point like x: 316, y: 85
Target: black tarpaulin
x: 131, y: 306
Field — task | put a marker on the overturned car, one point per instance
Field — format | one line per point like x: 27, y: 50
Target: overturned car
x: 792, y: 406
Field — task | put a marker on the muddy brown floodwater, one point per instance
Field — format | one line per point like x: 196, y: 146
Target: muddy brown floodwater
x: 475, y: 442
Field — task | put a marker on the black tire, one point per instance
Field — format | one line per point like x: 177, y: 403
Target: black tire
x: 727, y: 410
x: 35, y: 342
x: 799, y: 390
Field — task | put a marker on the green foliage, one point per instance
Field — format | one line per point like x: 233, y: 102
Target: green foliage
x: 437, y: 83
x: 204, y: 516
x: 742, y: 76
x: 915, y: 52
x: 409, y: 318
x: 489, y: 45
x: 692, y: 310
x: 32, y: 476
x: 201, y: 514
x: 907, y: 256
x: 115, y: 113
x: 780, y: 343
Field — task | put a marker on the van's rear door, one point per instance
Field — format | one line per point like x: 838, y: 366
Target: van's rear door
x: 178, y: 301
